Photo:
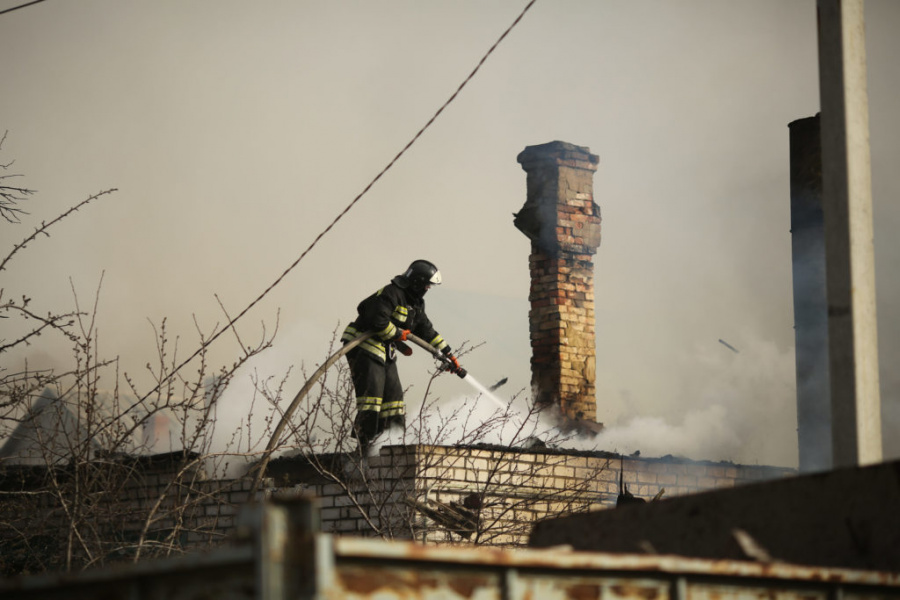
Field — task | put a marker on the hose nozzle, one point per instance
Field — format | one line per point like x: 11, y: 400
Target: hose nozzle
x: 446, y: 365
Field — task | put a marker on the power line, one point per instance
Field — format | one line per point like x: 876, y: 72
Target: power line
x: 3, y: 12
x: 230, y: 324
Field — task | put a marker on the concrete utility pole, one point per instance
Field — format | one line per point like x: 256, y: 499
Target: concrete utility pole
x: 847, y: 205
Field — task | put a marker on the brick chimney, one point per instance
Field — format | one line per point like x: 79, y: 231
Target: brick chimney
x: 563, y: 223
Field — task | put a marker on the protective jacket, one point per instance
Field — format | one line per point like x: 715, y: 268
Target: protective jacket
x: 387, y: 312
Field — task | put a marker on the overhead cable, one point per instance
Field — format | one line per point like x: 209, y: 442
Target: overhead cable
x: 6, y: 10
x: 230, y: 324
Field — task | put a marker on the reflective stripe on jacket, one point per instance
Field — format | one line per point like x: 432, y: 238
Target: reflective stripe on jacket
x: 387, y: 312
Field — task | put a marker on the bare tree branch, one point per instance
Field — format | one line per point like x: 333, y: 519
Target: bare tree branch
x: 42, y: 230
x: 11, y: 196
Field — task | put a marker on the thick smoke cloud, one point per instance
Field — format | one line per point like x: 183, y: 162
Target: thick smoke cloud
x: 236, y: 131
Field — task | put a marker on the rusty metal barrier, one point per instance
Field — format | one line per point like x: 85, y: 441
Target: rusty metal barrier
x: 279, y: 555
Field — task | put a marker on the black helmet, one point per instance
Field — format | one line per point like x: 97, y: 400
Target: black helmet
x: 419, y: 276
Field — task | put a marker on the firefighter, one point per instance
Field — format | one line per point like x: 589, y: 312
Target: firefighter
x: 391, y: 313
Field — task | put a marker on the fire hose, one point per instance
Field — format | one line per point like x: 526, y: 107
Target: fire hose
x: 446, y: 365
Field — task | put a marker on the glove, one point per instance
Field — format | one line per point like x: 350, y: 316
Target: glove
x: 401, y: 337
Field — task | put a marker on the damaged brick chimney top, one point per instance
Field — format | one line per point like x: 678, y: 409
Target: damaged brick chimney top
x: 563, y: 223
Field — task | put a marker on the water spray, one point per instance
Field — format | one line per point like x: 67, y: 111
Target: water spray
x: 486, y: 392
x: 447, y: 365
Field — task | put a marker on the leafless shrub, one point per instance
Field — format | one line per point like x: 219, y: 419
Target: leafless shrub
x: 95, y: 494
x: 81, y: 483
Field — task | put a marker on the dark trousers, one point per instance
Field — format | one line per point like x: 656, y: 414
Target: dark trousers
x: 379, y: 396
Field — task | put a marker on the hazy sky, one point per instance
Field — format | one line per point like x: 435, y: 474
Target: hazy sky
x: 236, y: 131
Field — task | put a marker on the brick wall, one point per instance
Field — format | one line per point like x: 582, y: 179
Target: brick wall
x: 434, y: 494
x: 146, y: 507
x: 563, y: 223
x: 493, y: 495
x: 187, y: 512
x: 356, y: 498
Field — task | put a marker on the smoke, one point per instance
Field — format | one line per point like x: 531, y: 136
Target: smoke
x: 695, y: 208
x: 703, y: 434
x: 741, y: 409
